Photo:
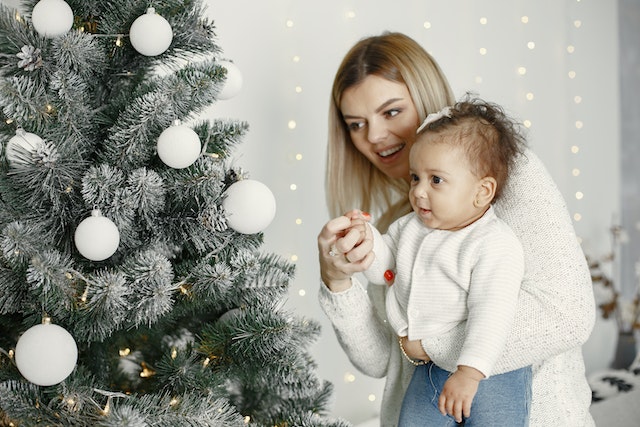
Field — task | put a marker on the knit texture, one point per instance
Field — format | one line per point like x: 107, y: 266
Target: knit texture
x: 445, y: 277
x: 556, y: 311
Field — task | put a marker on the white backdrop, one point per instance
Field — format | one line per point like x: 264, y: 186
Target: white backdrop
x: 551, y: 63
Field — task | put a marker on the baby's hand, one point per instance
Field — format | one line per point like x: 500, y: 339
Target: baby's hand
x: 458, y: 392
x: 358, y: 228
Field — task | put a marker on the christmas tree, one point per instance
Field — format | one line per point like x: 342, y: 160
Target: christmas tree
x: 133, y: 290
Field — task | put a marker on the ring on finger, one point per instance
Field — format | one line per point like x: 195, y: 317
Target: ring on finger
x: 333, y: 251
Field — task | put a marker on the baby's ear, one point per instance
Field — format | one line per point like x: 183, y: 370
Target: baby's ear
x: 487, y: 187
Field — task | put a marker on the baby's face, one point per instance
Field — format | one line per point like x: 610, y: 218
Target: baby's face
x: 443, y: 188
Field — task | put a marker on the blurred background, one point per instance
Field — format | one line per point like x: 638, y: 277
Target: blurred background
x: 561, y: 67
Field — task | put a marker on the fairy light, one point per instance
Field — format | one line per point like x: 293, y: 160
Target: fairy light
x: 351, y: 14
x: 483, y: 51
x: 302, y: 292
x: 531, y: 45
x: 289, y: 23
x: 483, y: 21
x: 427, y: 25
x: 291, y: 124
x: 124, y: 352
x: 293, y: 187
x: 146, y: 372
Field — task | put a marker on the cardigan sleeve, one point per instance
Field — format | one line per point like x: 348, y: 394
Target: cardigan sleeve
x: 384, y: 257
x: 556, y: 308
x: 357, y: 316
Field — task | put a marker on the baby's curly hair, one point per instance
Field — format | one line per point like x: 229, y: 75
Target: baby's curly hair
x: 490, y: 138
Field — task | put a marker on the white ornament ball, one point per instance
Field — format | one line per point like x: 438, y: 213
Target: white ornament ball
x: 233, y: 82
x: 179, y: 146
x: 19, y: 143
x: 97, y: 237
x: 52, y: 18
x: 150, y: 34
x: 249, y: 206
x: 46, y: 354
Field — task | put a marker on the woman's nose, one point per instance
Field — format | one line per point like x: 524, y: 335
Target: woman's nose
x: 377, y: 131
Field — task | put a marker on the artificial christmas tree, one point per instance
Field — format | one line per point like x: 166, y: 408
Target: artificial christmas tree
x: 127, y: 295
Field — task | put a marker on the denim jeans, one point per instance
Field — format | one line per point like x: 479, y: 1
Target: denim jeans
x: 501, y: 400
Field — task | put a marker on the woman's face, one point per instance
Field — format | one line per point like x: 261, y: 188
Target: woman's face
x: 382, y: 122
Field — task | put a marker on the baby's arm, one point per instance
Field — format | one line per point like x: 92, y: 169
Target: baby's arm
x: 384, y: 257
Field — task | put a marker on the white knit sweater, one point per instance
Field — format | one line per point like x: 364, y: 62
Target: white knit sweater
x: 445, y: 277
x: 555, y: 317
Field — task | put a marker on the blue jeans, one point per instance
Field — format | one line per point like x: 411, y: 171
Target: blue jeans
x: 501, y: 400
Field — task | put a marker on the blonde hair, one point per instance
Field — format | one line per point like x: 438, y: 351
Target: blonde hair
x: 351, y: 180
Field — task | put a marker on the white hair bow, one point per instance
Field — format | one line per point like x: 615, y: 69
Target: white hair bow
x: 433, y: 117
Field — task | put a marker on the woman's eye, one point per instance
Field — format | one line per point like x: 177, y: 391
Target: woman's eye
x: 436, y: 180
x: 353, y: 126
x: 393, y: 112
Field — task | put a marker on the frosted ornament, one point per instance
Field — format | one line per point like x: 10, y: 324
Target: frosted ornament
x: 249, y: 206
x: 46, y: 354
x: 52, y: 18
x: 26, y: 141
x: 233, y: 81
x: 150, y: 34
x: 97, y: 237
x: 178, y: 146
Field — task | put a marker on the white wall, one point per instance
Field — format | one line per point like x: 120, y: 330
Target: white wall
x: 263, y: 38
x: 281, y: 45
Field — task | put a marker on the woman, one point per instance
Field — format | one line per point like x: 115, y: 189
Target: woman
x: 384, y: 88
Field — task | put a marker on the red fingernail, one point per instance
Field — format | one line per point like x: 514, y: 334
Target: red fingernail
x: 366, y: 214
x: 389, y: 275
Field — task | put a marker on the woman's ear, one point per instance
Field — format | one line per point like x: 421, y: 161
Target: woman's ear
x: 486, y: 192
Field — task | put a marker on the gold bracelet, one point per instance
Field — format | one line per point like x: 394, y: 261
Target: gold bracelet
x: 406, y: 356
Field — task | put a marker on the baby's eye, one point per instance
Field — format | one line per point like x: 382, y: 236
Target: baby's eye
x: 436, y: 179
x: 414, y: 178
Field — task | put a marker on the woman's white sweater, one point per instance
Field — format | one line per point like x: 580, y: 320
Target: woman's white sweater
x: 556, y: 311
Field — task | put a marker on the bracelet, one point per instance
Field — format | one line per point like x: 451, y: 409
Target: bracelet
x: 406, y: 356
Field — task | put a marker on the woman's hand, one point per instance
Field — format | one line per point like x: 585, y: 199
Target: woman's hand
x: 344, y: 248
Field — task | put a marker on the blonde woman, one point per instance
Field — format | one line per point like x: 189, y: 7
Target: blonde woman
x: 384, y: 88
